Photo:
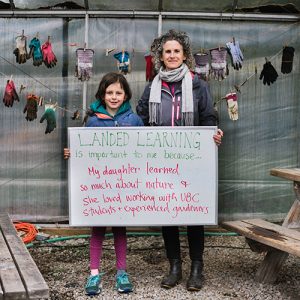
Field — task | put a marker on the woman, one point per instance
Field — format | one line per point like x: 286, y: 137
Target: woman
x: 178, y: 98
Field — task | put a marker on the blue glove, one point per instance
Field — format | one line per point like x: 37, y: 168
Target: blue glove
x: 36, y: 52
x: 123, y: 62
x: 236, y: 54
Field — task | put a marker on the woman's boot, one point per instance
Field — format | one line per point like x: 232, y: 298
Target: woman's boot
x: 195, y: 280
x: 174, y: 276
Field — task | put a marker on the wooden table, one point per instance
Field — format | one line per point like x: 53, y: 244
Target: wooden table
x: 277, y: 241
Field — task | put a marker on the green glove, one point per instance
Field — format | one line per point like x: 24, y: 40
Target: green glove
x: 49, y: 115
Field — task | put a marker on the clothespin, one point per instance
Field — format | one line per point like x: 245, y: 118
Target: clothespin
x: 84, y: 47
x: 123, y: 50
x: 109, y: 50
x: 233, y: 40
x: 48, y: 38
x: 237, y: 88
x: 37, y: 35
x: 266, y: 59
x: 10, y: 78
x: 22, y: 87
x: 219, y: 47
x: 22, y: 33
x: 41, y: 100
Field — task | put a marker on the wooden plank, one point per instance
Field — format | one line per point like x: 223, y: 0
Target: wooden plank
x: 290, y: 174
x: 270, y: 267
x: 11, y: 281
x: 34, y: 282
x: 292, y: 220
x: 281, y: 242
x: 293, y: 234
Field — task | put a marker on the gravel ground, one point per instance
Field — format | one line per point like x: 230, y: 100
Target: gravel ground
x: 229, y: 269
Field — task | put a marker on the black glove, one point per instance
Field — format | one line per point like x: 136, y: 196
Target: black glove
x: 287, y: 60
x: 31, y: 107
x: 268, y: 73
x: 49, y: 115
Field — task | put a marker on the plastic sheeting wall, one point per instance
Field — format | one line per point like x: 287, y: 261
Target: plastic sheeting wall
x: 33, y: 177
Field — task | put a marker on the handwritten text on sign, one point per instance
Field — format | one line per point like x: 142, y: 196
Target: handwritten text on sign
x: 142, y: 176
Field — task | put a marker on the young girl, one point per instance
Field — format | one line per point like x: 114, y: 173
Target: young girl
x: 112, y: 108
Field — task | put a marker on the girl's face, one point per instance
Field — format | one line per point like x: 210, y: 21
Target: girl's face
x: 172, y: 55
x: 114, y: 98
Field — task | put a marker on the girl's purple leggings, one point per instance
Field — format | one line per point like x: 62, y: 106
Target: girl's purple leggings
x: 120, y: 242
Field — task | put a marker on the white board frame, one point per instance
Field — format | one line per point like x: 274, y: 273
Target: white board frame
x: 193, y: 169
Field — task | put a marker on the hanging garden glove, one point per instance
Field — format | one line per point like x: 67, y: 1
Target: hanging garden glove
x: 50, y: 117
x: 123, y: 62
x: 36, y: 52
x: 218, y: 63
x: 232, y: 106
x: 10, y: 94
x: 49, y: 57
x: 21, y: 51
x: 84, y: 63
x: 31, y: 107
x: 268, y: 74
x: 150, y: 71
x: 235, y: 54
x: 287, y: 60
x: 202, y: 65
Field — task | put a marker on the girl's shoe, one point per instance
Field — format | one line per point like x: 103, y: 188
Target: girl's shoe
x: 123, y: 284
x: 93, y: 285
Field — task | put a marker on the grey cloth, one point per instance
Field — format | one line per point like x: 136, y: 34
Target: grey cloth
x: 176, y: 75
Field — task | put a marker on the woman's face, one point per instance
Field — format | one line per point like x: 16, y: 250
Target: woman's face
x: 114, y: 98
x: 172, y: 55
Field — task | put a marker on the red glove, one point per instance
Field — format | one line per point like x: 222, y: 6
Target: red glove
x: 150, y: 71
x: 49, y: 57
x: 10, y: 94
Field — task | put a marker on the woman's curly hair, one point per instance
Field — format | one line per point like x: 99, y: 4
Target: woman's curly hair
x: 179, y: 36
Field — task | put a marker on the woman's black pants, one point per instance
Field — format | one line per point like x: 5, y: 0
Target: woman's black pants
x: 195, y: 236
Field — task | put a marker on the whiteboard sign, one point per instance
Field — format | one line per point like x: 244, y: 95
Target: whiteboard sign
x: 133, y: 176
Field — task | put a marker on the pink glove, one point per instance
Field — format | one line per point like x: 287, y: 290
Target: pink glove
x: 49, y: 57
x: 10, y: 94
x: 232, y: 106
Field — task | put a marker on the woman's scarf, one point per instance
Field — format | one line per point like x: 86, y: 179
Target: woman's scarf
x: 187, y: 109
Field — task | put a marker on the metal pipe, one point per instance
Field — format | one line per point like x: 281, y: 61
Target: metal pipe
x: 86, y: 41
x: 149, y: 14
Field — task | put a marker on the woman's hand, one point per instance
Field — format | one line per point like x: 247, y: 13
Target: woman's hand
x: 66, y: 153
x: 218, y: 137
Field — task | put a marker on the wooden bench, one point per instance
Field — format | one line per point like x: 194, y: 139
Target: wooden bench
x: 277, y: 241
x: 20, y: 277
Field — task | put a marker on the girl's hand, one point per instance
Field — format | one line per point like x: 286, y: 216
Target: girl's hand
x: 218, y: 137
x: 66, y: 153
